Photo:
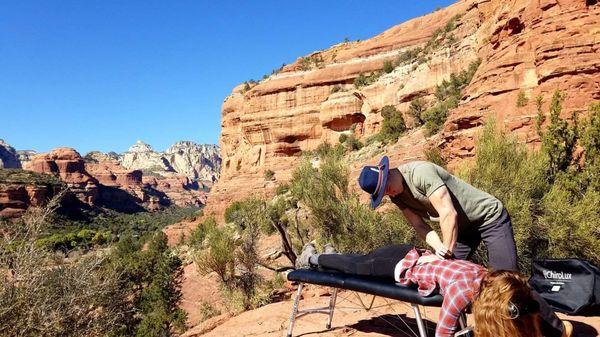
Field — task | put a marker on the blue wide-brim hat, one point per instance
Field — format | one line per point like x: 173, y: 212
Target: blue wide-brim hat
x: 373, y: 180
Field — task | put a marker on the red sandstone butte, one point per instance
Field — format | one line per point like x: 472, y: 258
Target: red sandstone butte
x: 529, y: 46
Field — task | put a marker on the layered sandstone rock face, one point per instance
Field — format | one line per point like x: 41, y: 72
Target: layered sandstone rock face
x: 8, y: 156
x: 20, y: 189
x: 195, y: 161
x: 529, y: 46
x: 67, y: 164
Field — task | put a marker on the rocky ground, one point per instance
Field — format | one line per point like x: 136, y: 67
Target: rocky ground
x: 386, y: 318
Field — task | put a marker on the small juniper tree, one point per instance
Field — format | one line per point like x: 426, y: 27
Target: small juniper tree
x: 559, y: 140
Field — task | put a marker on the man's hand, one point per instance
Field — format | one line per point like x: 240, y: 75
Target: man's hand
x: 440, y: 249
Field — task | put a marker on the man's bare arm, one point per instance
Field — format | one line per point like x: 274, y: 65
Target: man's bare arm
x: 417, y: 222
x: 442, y: 202
x: 426, y: 233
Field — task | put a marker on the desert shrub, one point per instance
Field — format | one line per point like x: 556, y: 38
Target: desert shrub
x: 560, y: 138
x: 269, y: 175
x: 207, y: 311
x: 282, y: 189
x: 521, y: 99
x: 217, y: 254
x: 310, y: 62
x: 41, y: 295
x: 570, y: 209
x: 350, y: 142
x: 248, y: 213
x: 571, y: 222
x: 232, y: 254
x: 388, y: 66
x: 363, y: 80
x: 393, y: 125
x: 160, y: 297
x: 417, y: 107
x: 434, y: 155
x: 83, y: 238
x: 150, y: 275
x: 554, y: 217
x: 506, y: 170
x: 436, y: 116
x: 197, y: 236
x: 408, y: 56
x: 336, y: 88
x: 441, y: 34
x: 336, y: 215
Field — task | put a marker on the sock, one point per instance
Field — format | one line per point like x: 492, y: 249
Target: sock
x: 313, y: 260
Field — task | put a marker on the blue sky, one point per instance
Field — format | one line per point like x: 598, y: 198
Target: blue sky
x: 99, y: 75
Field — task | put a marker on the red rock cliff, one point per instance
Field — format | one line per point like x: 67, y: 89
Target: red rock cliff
x: 529, y: 46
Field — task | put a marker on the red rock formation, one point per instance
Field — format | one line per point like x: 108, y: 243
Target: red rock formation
x: 528, y: 45
x: 101, y: 183
x: 67, y: 164
x: 179, y: 189
x: 21, y: 189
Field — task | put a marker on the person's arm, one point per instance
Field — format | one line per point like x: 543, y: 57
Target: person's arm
x: 456, y: 301
x: 425, y: 232
x: 442, y: 202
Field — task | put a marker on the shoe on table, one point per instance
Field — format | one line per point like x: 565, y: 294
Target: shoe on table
x: 328, y: 249
x: 303, y: 260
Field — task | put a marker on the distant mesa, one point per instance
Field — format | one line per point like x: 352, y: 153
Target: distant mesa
x: 137, y: 180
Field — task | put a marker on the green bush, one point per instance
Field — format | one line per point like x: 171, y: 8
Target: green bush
x: 364, y: 80
x: 350, y: 142
x: 42, y: 294
x: 218, y: 254
x: 269, y: 175
x: 336, y: 215
x: 416, y: 109
x: 388, y: 66
x: 207, y: 311
x: 502, y: 168
x: 554, y: 217
x: 521, y: 99
x: 282, y: 189
x: 435, y: 156
x: 560, y: 139
x: 393, y: 125
x: 336, y: 88
x: 197, y: 236
x: 232, y: 254
x: 436, y: 116
x: 408, y: 56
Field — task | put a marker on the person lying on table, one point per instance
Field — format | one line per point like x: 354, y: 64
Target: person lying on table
x: 503, y: 304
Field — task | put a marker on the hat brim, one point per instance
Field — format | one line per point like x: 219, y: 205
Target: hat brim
x: 385, y: 170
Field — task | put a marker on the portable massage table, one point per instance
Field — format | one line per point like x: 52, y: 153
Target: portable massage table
x: 368, y: 285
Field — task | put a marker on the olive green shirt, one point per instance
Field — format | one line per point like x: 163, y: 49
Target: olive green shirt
x: 475, y: 208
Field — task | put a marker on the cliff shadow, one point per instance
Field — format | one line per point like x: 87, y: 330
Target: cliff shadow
x: 392, y: 325
x: 118, y: 200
